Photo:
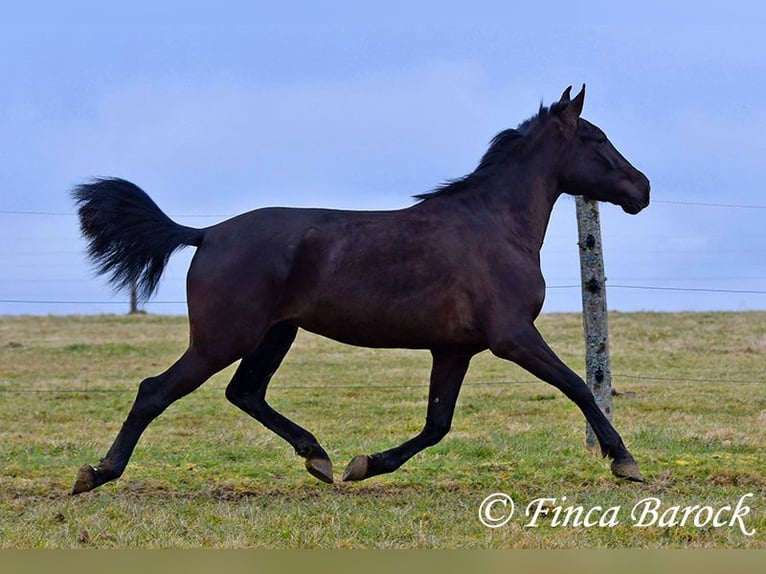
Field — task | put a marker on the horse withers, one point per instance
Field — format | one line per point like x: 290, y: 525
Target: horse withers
x: 456, y: 273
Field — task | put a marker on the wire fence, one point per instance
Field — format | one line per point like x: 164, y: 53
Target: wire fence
x: 612, y: 286
x: 630, y: 377
x: 125, y: 303
x: 389, y: 387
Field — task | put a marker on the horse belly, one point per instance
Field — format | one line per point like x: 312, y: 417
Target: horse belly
x: 375, y: 320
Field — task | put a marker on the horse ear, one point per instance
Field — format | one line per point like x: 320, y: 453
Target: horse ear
x: 572, y: 112
x: 565, y: 96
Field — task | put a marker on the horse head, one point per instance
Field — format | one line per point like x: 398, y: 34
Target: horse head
x: 591, y: 165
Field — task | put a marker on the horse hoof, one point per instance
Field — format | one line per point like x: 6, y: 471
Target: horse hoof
x: 357, y: 468
x: 320, y: 468
x: 627, y: 469
x: 86, y: 479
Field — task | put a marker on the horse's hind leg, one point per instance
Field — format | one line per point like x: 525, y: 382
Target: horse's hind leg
x: 155, y: 394
x: 447, y: 375
x: 247, y: 390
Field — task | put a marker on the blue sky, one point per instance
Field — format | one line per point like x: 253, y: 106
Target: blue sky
x: 215, y: 108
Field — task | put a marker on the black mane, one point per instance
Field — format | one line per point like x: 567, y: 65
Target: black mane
x: 502, y: 145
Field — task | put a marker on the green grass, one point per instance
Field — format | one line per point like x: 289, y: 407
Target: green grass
x: 691, y: 407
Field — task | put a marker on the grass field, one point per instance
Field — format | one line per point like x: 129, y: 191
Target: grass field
x: 691, y: 406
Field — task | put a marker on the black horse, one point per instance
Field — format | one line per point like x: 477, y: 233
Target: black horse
x: 456, y: 273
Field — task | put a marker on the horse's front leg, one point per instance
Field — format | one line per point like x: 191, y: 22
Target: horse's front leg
x: 527, y: 349
x: 447, y: 375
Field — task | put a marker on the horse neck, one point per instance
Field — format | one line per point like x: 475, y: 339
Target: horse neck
x: 522, y: 198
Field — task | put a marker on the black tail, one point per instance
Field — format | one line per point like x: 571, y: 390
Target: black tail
x: 129, y: 237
